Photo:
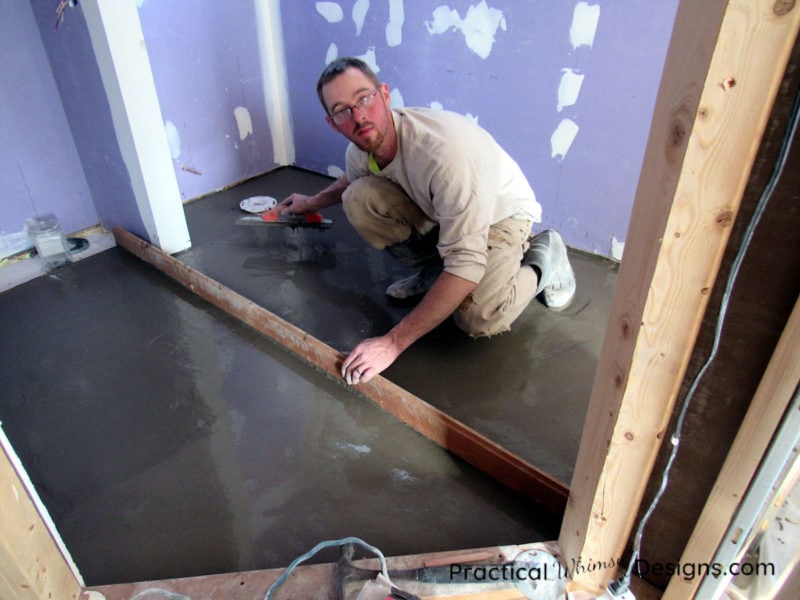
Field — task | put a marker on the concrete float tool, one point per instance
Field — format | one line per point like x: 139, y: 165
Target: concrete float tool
x: 274, y: 218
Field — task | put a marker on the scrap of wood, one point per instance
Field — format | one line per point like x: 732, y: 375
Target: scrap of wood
x: 449, y: 433
x: 32, y: 565
x: 458, y: 559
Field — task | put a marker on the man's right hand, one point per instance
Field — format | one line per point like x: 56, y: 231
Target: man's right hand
x: 297, y: 203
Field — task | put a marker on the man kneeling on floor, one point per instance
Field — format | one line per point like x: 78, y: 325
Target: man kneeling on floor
x: 439, y: 194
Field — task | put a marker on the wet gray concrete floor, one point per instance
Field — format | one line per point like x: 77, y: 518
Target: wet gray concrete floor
x: 168, y: 440
x: 527, y: 389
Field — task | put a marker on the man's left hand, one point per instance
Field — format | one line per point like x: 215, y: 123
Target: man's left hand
x: 370, y: 357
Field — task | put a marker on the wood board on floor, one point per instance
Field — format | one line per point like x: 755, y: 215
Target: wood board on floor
x: 447, y: 432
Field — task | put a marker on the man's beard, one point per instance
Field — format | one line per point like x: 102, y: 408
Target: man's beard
x: 368, y: 144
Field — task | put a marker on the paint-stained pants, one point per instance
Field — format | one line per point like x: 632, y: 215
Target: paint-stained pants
x: 384, y: 215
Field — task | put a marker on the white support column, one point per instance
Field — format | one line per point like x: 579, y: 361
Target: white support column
x: 275, y: 79
x: 118, y: 44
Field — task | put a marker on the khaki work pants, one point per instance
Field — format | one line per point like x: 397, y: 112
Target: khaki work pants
x: 384, y: 215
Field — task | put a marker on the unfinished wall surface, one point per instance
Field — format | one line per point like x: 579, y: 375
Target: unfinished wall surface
x: 566, y: 87
x: 40, y: 170
x: 207, y: 66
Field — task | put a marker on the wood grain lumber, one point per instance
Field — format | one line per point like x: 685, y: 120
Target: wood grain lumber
x: 31, y: 563
x: 449, y: 433
x: 723, y: 68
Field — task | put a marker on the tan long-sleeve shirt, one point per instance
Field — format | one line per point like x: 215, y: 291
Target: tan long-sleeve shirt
x: 459, y: 176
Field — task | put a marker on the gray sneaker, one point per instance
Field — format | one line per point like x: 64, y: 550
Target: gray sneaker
x: 548, y: 256
x: 414, y: 285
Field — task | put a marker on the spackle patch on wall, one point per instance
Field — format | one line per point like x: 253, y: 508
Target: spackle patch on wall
x: 479, y: 26
x: 583, y: 29
x: 332, y: 54
x: 569, y: 88
x: 617, y: 248
x: 584, y: 24
x: 396, y: 99
x: 562, y: 138
x: 331, y: 11
x: 394, y: 28
x: 359, y: 13
x: 173, y: 139
x: 243, y: 121
x: 370, y: 58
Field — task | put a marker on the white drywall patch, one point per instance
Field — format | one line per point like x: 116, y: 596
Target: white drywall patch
x: 173, y: 139
x: 562, y: 138
x: 332, y: 54
x: 444, y: 19
x: 569, y: 88
x: 478, y: 26
x: 331, y: 11
x: 369, y: 58
x: 584, y: 24
x: 394, y: 28
x: 617, y: 248
x: 334, y: 171
x: 396, y: 99
x: 243, y: 121
x: 360, y: 9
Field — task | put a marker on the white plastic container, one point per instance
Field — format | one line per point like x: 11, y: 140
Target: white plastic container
x: 50, y: 242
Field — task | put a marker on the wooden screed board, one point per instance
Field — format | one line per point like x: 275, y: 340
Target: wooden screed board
x: 449, y: 433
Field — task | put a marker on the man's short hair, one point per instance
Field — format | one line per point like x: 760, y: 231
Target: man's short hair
x: 339, y: 66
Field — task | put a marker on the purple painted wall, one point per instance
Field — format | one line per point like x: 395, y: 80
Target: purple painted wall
x: 40, y: 170
x: 206, y: 67
x: 84, y: 101
x: 509, y: 80
x: 501, y: 62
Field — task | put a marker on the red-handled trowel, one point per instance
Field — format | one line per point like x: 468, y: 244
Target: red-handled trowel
x: 274, y: 218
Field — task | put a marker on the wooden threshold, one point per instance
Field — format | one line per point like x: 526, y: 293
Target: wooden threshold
x: 318, y: 581
x: 449, y: 433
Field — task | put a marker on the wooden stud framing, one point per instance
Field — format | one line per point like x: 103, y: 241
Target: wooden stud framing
x: 707, y: 125
x: 692, y: 178
x: 476, y: 449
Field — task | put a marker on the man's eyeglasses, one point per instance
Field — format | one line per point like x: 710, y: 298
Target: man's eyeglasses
x: 346, y: 114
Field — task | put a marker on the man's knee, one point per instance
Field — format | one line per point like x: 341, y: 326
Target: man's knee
x: 372, y: 195
x: 475, y: 320
x: 382, y: 212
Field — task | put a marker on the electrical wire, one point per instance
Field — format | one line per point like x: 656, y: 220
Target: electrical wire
x: 761, y: 206
x: 322, y: 546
